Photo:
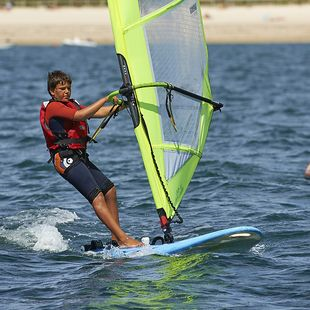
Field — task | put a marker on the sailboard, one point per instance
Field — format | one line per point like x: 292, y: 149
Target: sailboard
x: 244, y: 237
x: 163, y: 59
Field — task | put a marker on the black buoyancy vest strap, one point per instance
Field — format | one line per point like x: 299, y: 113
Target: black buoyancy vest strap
x: 68, y: 141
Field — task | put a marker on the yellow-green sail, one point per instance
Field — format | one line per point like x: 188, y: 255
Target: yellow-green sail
x: 162, y: 40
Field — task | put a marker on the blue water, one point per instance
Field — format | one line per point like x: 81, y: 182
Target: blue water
x: 251, y: 174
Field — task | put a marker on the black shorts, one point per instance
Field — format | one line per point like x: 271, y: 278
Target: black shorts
x: 83, y: 175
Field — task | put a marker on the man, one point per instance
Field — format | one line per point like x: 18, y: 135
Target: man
x: 64, y: 124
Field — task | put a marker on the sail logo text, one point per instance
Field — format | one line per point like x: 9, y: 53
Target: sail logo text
x: 193, y: 8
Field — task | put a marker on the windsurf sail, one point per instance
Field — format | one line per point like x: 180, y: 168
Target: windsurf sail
x: 163, y: 60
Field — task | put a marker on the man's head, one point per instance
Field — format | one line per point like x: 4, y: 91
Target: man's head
x: 59, y: 85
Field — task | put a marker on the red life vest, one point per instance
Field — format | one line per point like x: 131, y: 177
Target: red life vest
x: 75, y: 131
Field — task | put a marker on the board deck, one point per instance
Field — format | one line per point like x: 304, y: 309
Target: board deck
x: 245, y: 236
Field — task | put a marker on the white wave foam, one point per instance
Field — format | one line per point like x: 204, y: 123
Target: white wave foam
x: 258, y: 249
x: 48, y: 239
x: 117, y: 253
x: 37, y: 229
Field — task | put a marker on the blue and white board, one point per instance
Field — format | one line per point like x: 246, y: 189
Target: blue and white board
x: 238, y: 236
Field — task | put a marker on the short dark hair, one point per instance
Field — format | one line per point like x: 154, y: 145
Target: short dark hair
x: 57, y: 77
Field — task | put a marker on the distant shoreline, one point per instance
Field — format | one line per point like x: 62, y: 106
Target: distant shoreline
x: 229, y: 24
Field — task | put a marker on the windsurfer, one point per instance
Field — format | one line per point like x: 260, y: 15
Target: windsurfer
x: 64, y: 124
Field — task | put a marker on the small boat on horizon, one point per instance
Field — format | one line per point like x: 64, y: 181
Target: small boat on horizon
x: 5, y: 44
x: 79, y: 42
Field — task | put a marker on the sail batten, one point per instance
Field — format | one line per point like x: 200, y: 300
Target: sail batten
x: 157, y: 41
x: 150, y: 12
x: 177, y: 148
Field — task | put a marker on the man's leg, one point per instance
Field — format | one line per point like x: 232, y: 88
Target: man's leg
x: 111, y: 201
x: 109, y: 217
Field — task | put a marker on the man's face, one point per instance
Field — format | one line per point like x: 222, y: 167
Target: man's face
x: 62, y: 92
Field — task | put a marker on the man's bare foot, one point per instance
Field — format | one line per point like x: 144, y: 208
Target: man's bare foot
x: 129, y: 242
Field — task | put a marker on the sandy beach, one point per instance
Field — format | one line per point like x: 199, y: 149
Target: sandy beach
x: 232, y: 24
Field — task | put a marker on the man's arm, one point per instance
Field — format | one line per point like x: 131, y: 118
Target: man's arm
x: 96, y: 110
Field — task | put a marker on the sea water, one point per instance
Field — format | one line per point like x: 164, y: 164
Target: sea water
x: 251, y: 173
